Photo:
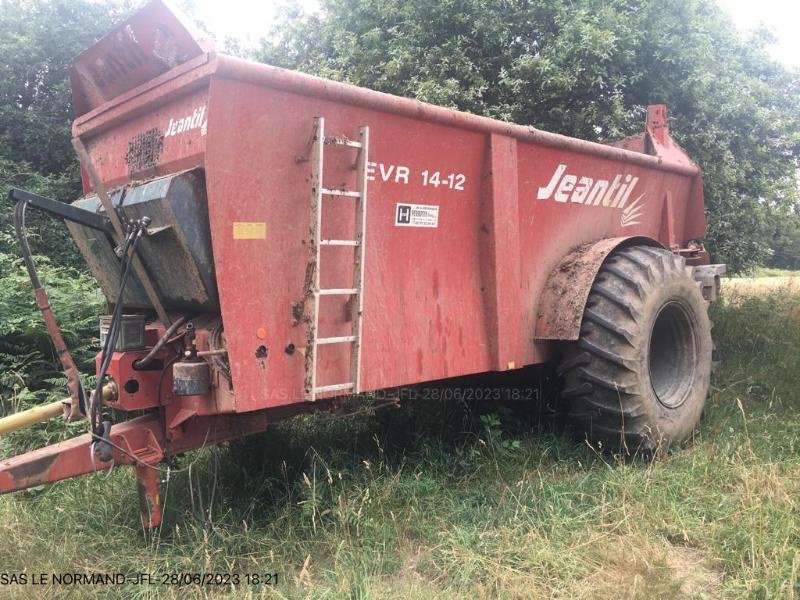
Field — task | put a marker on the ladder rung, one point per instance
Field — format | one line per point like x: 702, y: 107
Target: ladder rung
x: 344, y: 339
x: 342, y: 141
x: 338, y: 292
x: 336, y: 387
x: 355, y: 293
x: 348, y: 193
x: 339, y: 243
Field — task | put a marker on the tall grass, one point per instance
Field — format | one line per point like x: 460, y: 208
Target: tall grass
x: 436, y: 501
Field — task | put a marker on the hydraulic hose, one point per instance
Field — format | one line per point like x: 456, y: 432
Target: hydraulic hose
x: 135, y: 231
x: 22, y: 238
x: 143, y: 362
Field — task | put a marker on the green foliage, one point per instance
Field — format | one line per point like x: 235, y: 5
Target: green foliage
x: 586, y: 68
x: 775, y: 272
x: 758, y: 341
x: 47, y: 236
x: 38, y: 39
x: 495, y: 437
x: 29, y: 369
x: 786, y: 244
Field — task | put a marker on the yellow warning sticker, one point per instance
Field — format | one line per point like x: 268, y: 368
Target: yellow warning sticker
x: 243, y: 230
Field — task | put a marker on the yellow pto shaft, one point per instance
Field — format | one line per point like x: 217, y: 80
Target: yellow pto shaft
x: 29, y: 417
x: 37, y: 414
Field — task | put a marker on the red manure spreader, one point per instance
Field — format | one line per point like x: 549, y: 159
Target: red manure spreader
x: 268, y: 241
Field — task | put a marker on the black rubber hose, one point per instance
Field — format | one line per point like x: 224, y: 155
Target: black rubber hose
x: 143, y: 362
x: 128, y: 250
x: 110, y: 341
x: 22, y: 238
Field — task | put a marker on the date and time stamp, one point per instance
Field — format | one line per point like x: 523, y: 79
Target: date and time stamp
x: 170, y: 579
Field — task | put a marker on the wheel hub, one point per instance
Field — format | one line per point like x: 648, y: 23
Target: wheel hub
x: 672, y: 355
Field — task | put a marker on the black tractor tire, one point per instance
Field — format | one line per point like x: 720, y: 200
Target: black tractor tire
x: 638, y: 376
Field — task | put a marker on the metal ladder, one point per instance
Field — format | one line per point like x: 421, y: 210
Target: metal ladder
x: 356, y: 293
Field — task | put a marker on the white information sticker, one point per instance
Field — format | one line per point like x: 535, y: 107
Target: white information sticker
x: 416, y: 215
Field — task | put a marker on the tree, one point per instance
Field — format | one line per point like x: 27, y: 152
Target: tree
x: 586, y: 68
x: 786, y: 244
x: 37, y: 42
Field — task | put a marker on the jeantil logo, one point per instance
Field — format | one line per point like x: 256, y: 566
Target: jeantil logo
x: 565, y: 187
x: 193, y: 121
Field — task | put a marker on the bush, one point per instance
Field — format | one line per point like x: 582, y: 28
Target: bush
x: 786, y: 245
x: 29, y: 367
x: 757, y: 344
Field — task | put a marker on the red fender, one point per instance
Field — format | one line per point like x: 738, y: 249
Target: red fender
x: 568, y: 285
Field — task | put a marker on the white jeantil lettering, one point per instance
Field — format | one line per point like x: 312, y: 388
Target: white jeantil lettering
x: 566, y: 187
x: 545, y: 192
x: 187, y: 123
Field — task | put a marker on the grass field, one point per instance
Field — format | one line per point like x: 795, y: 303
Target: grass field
x: 434, y: 501
x: 763, y: 281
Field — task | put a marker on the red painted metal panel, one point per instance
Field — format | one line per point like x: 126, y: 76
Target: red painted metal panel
x: 342, y: 93
x: 425, y: 318
x: 421, y: 291
x: 500, y: 253
x: 168, y: 138
x: 439, y: 301
x: 550, y: 226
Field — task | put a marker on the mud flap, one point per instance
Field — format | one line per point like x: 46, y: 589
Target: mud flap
x: 567, y: 289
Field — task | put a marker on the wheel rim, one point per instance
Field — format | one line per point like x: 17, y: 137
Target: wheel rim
x: 672, y: 355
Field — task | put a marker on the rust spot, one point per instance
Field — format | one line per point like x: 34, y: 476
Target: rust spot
x: 144, y: 150
x: 146, y: 506
x: 35, y: 470
x: 298, y: 309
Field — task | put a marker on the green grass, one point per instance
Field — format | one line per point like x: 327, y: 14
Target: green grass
x: 402, y: 503
x: 773, y: 272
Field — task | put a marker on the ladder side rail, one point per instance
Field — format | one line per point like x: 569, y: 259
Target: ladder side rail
x: 358, y: 269
x: 317, y: 156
